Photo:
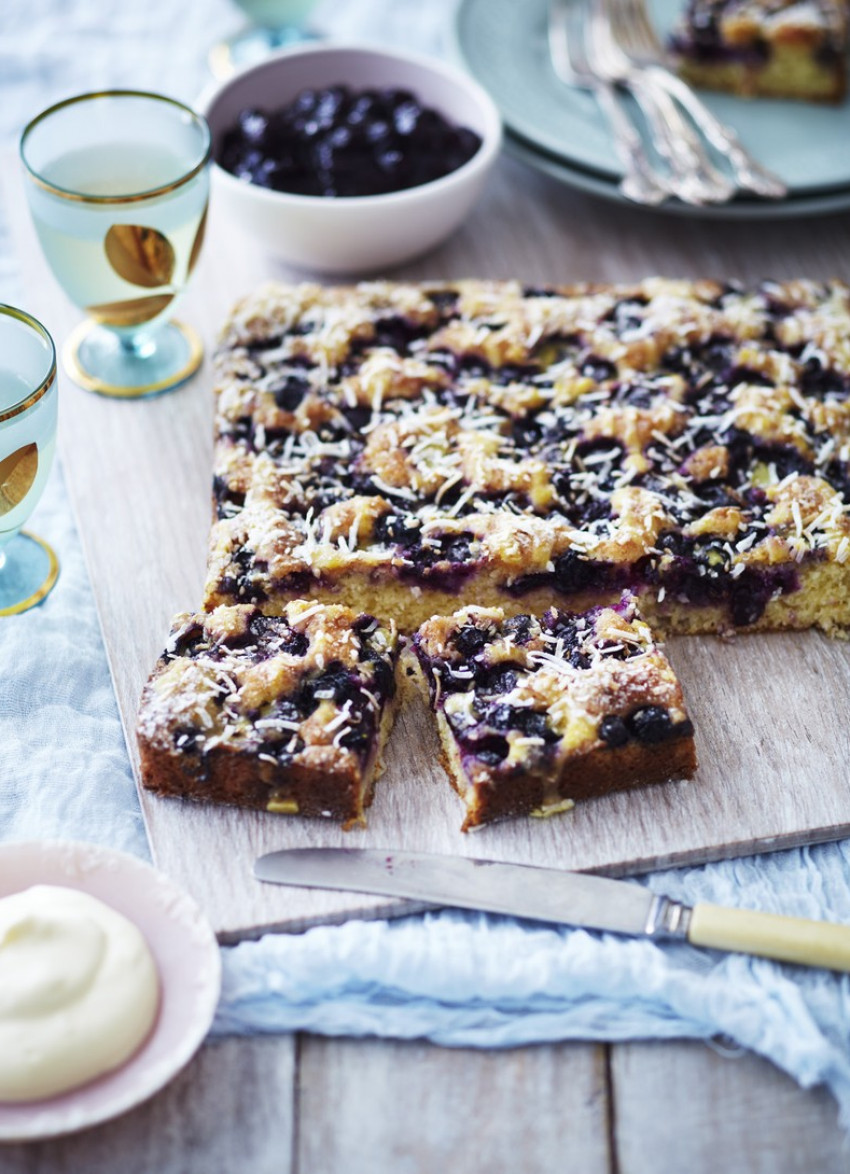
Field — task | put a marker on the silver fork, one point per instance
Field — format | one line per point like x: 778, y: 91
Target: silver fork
x: 640, y: 182
x: 636, y: 35
x: 694, y: 178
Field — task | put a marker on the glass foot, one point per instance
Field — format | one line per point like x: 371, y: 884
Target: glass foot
x: 251, y: 45
x: 29, y: 569
x: 98, y: 360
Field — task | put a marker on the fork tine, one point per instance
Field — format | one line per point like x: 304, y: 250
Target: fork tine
x: 567, y: 33
x: 635, y: 30
x: 642, y: 28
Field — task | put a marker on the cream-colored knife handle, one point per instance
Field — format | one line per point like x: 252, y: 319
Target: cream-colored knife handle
x: 787, y: 939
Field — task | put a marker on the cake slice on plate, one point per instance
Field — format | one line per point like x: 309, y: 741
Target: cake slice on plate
x: 769, y: 48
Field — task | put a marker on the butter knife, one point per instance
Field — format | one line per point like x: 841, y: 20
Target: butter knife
x: 566, y: 898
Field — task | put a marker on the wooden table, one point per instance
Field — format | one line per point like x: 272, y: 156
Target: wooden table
x: 310, y: 1104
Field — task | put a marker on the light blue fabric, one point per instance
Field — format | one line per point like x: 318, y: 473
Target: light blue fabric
x: 450, y: 977
x: 465, y: 979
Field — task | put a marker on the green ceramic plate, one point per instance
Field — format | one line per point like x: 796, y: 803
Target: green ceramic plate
x: 503, y: 44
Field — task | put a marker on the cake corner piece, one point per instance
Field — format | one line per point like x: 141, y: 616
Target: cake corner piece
x: 287, y: 714
x: 535, y: 714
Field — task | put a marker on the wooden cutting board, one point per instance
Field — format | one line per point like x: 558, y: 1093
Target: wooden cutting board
x: 771, y: 712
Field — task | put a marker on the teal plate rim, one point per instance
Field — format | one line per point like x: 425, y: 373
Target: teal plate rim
x: 821, y: 204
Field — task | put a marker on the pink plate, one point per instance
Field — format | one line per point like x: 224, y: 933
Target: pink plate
x: 187, y: 957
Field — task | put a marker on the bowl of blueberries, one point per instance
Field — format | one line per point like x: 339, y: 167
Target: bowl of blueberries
x: 348, y: 159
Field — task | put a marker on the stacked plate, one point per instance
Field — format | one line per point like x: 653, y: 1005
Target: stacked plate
x: 561, y: 131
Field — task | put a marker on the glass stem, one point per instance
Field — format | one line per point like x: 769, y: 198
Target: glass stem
x: 137, y: 345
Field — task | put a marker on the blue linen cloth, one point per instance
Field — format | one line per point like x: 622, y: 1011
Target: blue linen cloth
x: 455, y: 978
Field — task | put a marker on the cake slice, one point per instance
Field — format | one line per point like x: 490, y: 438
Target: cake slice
x: 534, y: 714
x: 770, y: 48
x: 286, y: 714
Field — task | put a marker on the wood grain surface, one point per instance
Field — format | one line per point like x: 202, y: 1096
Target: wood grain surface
x: 770, y: 711
x: 310, y: 1105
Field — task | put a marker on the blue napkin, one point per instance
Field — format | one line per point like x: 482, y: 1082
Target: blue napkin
x: 455, y: 978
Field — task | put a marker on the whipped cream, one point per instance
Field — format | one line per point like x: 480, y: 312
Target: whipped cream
x: 79, y: 991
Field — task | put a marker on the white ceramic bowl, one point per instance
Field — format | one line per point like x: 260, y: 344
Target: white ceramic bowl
x: 353, y: 234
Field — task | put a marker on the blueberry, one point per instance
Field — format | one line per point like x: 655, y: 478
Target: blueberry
x: 287, y: 709
x: 634, y: 395
x: 627, y: 314
x: 359, y: 737
x: 474, y: 366
x: 253, y: 125
x: 289, y: 392
x: 186, y: 740
x: 444, y: 299
x: 184, y: 642
x: 406, y: 116
x: 333, y: 684
x: 269, y: 174
x: 330, y: 102
x: 227, y: 500
x: 283, y: 748
x: 500, y: 678
x: 532, y: 723
x: 305, y: 102
x: 572, y: 572
x: 491, y: 750
x: 397, y: 333
x: 518, y: 627
x: 650, y: 725
x: 598, y: 369
x: 747, y: 602
x: 295, y: 643
x: 240, y: 581
x: 396, y: 528
x: 382, y: 674
x: 468, y: 640
x: 820, y: 382
x: 364, y: 107
x: 501, y: 717
x: 459, y: 550
x: 613, y: 731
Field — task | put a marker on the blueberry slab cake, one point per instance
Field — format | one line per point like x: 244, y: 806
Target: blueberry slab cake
x: 287, y: 713
x: 772, y: 48
x: 406, y: 449
x: 534, y: 714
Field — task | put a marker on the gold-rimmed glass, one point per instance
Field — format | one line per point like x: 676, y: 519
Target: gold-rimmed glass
x: 28, y: 409
x: 118, y: 186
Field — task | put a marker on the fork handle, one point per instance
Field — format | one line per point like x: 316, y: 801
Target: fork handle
x: 694, y: 178
x: 749, y: 173
x: 639, y: 183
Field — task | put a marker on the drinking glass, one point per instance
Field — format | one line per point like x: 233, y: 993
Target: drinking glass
x: 118, y: 186
x: 28, y: 398
x: 274, y: 24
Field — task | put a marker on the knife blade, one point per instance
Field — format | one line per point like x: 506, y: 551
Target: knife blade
x: 565, y: 898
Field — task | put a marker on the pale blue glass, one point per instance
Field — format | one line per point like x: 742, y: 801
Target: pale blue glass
x: 28, y: 410
x: 274, y: 24
x: 118, y: 186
